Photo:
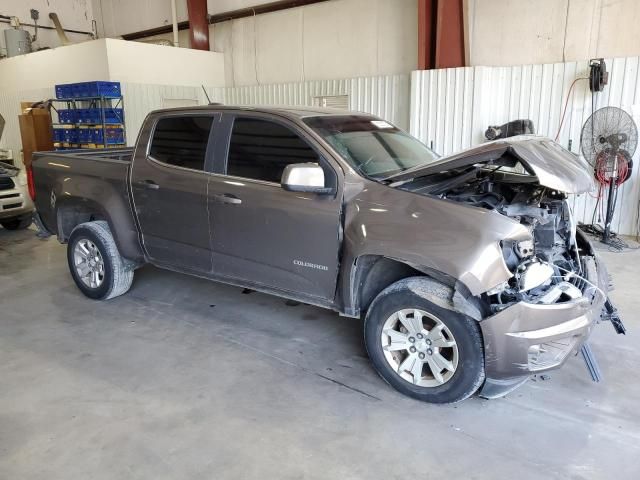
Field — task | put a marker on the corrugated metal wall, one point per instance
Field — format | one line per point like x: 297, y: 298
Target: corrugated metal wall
x: 451, y: 109
x: 385, y: 96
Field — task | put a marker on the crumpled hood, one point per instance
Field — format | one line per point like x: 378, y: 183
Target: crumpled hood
x: 555, y: 167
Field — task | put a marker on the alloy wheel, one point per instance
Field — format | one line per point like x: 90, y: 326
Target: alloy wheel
x: 88, y: 263
x: 419, y: 348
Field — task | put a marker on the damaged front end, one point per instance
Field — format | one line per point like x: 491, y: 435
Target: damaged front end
x: 558, y: 287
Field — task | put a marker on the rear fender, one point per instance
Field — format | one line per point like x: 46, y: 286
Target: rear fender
x: 72, y: 211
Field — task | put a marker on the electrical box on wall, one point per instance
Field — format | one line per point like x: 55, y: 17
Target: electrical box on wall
x: 332, y: 101
x: 17, y: 40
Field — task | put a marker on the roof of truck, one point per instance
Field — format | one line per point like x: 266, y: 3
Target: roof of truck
x: 287, y: 110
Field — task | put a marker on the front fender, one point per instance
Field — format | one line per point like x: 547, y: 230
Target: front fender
x: 429, y: 234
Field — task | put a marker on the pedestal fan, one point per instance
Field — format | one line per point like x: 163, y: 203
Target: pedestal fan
x: 608, y: 141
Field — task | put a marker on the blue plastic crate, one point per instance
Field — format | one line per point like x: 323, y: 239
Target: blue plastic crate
x: 96, y: 89
x: 67, y: 116
x: 69, y: 135
x: 85, y: 135
x: 113, y: 135
x: 64, y: 90
x: 80, y: 90
x: 88, y: 89
x: 94, y: 115
x: 83, y: 115
x: 111, y: 115
x: 58, y: 135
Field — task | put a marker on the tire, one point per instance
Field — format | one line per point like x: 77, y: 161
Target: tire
x: 114, y: 274
x: 17, y: 223
x: 463, y: 354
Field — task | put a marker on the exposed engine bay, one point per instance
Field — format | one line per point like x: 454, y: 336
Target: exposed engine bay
x: 550, y: 268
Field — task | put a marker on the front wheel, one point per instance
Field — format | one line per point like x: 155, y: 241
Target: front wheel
x: 95, y: 263
x: 421, y: 349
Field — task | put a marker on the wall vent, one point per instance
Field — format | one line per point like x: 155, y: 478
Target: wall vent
x: 332, y: 101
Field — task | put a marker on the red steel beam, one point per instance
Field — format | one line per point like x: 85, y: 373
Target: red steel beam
x: 199, y: 23
x: 426, y: 33
x: 449, y: 40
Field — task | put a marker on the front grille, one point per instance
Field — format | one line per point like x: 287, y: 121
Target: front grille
x: 6, y: 183
x: 12, y: 205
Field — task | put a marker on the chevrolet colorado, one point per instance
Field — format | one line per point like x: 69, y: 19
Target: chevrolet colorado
x: 469, y: 270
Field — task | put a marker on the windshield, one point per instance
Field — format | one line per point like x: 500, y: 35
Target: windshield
x: 373, y: 147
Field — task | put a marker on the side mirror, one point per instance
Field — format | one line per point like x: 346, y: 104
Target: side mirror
x: 304, y: 177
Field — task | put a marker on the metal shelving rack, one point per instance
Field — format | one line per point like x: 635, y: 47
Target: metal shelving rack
x: 101, y: 103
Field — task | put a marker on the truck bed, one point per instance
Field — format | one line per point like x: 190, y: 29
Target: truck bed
x: 80, y: 183
x: 120, y: 154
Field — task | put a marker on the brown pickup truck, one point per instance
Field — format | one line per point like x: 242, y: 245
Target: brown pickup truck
x: 468, y: 270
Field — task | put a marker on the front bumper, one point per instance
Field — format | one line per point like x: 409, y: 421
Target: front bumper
x: 15, y: 203
x: 526, y: 338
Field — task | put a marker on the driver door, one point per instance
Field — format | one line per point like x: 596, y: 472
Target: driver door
x: 263, y: 234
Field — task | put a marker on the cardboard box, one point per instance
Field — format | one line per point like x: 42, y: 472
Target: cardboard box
x: 25, y: 108
x: 35, y: 131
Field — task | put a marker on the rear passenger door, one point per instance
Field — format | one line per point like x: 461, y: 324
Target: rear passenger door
x: 169, y: 189
x: 262, y: 233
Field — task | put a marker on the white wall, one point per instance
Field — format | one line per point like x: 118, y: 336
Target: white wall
x: 74, y: 63
x: 516, y: 32
x: 335, y: 39
x: 73, y: 14
x: 118, y: 17
x: 111, y: 59
x: 137, y: 62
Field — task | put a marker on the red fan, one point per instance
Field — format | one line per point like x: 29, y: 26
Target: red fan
x: 608, y: 141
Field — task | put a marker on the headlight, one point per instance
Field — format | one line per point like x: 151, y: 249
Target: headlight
x: 535, y: 274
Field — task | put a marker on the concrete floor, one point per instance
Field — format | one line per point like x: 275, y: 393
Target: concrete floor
x: 186, y: 379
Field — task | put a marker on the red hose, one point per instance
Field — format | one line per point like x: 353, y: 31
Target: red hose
x: 604, y: 168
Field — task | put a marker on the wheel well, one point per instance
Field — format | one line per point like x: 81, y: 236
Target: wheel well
x: 374, y: 274
x: 72, y: 215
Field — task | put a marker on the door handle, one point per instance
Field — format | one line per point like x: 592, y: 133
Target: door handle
x: 227, y: 198
x: 150, y: 184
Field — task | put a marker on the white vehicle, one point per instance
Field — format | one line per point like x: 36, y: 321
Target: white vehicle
x: 16, y: 205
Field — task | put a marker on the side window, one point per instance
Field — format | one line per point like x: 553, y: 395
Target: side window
x: 181, y: 141
x: 261, y: 150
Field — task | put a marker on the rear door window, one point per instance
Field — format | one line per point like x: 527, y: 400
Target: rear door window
x: 261, y: 149
x: 181, y: 141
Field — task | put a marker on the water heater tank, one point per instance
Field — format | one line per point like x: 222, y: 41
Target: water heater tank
x: 18, y: 41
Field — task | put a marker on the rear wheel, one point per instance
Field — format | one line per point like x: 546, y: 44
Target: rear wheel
x: 17, y: 223
x: 422, y: 349
x: 95, y: 263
